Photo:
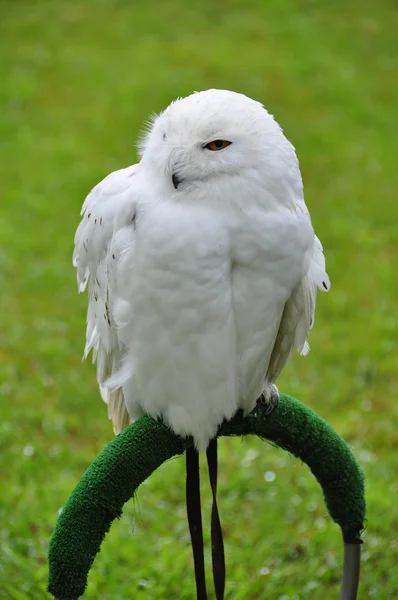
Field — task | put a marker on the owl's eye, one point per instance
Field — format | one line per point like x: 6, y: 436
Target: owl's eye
x: 217, y: 145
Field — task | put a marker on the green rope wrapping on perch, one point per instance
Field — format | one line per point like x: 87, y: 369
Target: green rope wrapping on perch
x: 133, y: 455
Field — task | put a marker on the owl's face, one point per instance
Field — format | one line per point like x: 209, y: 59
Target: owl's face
x: 217, y: 138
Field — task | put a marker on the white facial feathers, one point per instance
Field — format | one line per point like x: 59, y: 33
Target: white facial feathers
x: 259, y: 151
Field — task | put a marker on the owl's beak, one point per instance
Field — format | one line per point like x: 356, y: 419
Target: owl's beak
x: 176, y: 181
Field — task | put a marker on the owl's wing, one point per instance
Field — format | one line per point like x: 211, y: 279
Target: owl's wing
x: 106, y: 229
x: 299, y: 313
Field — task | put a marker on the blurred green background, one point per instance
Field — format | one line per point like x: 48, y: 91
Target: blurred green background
x: 77, y: 81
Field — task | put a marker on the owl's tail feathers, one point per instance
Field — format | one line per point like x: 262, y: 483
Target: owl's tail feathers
x: 117, y: 410
x: 195, y: 522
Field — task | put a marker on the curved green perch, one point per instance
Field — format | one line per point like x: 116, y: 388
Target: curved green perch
x: 132, y: 456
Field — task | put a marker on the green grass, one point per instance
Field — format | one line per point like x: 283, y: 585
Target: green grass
x: 77, y: 81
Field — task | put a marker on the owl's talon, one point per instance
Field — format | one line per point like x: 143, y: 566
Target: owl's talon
x: 270, y: 398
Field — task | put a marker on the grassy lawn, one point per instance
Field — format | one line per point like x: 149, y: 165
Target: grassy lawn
x: 77, y: 81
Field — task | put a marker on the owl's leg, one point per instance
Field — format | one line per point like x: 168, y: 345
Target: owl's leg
x: 270, y: 397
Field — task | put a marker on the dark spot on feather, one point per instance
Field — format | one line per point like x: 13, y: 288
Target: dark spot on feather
x: 164, y: 136
x: 107, y: 314
x: 101, y: 221
x: 324, y: 285
x: 89, y: 215
x: 84, y: 246
x: 96, y: 297
x: 133, y: 222
x: 95, y: 221
x: 113, y: 256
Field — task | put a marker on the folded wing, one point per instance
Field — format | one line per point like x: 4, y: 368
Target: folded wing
x: 106, y: 230
x: 299, y: 313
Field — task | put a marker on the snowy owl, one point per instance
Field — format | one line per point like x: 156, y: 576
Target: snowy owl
x: 202, y: 267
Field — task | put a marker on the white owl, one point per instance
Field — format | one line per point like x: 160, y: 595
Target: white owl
x: 202, y: 267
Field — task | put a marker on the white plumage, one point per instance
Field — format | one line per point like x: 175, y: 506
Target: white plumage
x: 202, y: 266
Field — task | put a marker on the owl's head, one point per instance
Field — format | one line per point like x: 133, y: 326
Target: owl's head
x: 220, y: 138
